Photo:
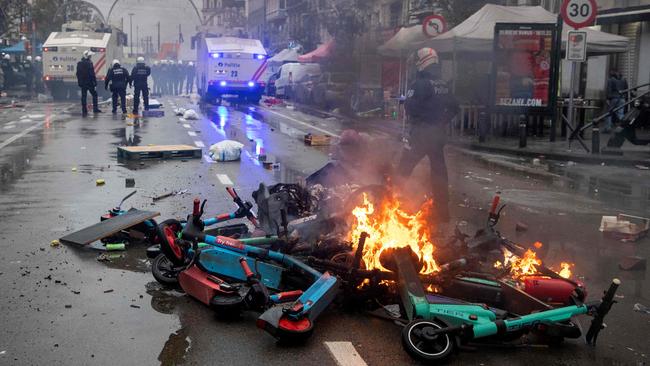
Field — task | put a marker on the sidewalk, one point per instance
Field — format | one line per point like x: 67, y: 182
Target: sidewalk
x: 559, y: 150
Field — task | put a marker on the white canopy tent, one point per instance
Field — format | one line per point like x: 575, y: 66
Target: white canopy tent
x: 402, y: 42
x: 476, y: 33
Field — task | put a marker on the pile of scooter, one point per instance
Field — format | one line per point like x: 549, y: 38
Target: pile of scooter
x: 295, y: 263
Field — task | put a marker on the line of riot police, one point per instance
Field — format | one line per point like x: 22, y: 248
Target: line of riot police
x: 21, y: 72
x: 173, y: 78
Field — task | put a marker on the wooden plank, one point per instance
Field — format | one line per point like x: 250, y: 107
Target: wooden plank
x: 157, y: 148
x: 108, y: 227
x: 317, y: 140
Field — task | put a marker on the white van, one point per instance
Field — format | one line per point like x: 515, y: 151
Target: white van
x: 62, y: 50
x: 231, y: 66
x: 292, y: 74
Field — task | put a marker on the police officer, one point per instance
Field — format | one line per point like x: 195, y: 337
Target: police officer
x: 164, y: 68
x: 38, y: 74
x: 190, y: 74
x: 155, y: 75
x: 171, y: 77
x: 429, y: 107
x: 139, y: 76
x: 87, y: 81
x: 119, y: 78
x: 179, y: 77
x: 7, y: 70
x: 28, y: 69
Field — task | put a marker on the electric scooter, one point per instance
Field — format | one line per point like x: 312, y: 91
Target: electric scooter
x: 229, y: 275
x: 438, y: 325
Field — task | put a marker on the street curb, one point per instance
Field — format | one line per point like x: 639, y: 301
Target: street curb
x: 585, y: 159
x: 514, y: 167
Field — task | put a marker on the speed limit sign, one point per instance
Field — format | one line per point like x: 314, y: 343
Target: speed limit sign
x: 579, y: 13
x: 434, y: 25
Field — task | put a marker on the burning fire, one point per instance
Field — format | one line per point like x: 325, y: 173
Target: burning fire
x: 566, y: 269
x: 390, y: 227
x: 519, y: 267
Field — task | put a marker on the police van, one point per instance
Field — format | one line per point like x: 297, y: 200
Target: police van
x: 231, y: 66
x: 62, y: 50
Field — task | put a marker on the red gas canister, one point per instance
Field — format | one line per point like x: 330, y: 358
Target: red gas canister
x: 549, y: 290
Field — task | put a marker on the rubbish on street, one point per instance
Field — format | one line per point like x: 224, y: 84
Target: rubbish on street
x: 158, y: 152
x: 74, y: 169
x: 520, y: 227
x: 108, y: 291
x: 100, y: 182
x: 108, y: 227
x: 641, y: 308
x: 625, y: 227
x: 317, y: 140
x: 154, y: 104
x: 129, y: 182
x: 642, y: 167
x: 115, y: 247
x: 54, y: 243
x: 135, y: 306
x: 190, y: 114
x: 632, y: 263
x: 179, y: 111
x: 169, y: 194
x: 226, y: 150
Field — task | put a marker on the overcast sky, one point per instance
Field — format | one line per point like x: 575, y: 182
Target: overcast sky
x: 147, y: 13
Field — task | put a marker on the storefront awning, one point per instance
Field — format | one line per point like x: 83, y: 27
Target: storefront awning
x: 321, y: 53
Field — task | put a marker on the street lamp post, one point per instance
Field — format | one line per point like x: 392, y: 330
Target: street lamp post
x: 131, y: 31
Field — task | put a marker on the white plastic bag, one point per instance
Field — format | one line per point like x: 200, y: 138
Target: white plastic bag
x: 226, y: 150
x: 179, y: 111
x: 190, y: 114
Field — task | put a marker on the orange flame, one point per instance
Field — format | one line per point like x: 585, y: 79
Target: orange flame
x: 391, y: 227
x: 566, y: 269
x: 519, y: 267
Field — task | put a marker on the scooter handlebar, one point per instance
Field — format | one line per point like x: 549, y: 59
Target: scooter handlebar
x: 495, y: 204
x: 196, y: 211
x: 232, y: 192
x: 247, y: 270
x: 601, y: 311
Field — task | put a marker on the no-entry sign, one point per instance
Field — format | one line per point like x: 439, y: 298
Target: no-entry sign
x: 579, y: 13
x: 434, y: 25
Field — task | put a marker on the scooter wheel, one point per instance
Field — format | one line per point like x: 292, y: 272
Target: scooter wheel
x: 292, y: 332
x: 421, y: 344
x: 167, y: 233
x: 164, y: 272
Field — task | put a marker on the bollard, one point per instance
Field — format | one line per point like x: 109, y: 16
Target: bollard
x: 483, y: 126
x: 523, y: 133
x: 595, y: 140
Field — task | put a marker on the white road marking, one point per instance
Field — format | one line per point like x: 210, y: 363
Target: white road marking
x: 191, y: 133
x: 16, y: 137
x: 224, y: 179
x: 199, y: 144
x: 303, y: 123
x: 345, y: 354
x: 186, y: 125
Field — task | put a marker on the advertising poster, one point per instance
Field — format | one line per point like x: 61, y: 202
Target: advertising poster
x: 522, y: 69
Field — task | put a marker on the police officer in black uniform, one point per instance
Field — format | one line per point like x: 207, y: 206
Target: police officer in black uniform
x: 38, y: 74
x: 190, y: 73
x: 28, y: 69
x: 139, y: 76
x: 87, y: 82
x: 119, y: 78
x: 429, y: 106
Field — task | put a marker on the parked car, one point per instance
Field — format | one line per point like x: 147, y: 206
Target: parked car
x: 333, y: 89
x: 293, y: 74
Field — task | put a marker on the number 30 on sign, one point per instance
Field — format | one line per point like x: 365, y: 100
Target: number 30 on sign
x: 579, y: 13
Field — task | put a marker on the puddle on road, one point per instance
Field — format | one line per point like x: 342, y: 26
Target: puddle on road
x: 175, y: 349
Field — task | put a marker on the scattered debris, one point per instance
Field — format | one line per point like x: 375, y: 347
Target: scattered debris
x: 521, y: 227
x: 68, y: 306
x: 641, y: 308
x: 74, y: 168
x: 642, y: 167
x: 190, y: 114
x: 135, y: 306
x: 317, y: 140
x: 226, y: 150
x: 129, y: 182
x: 108, y: 291
x: 103, y: 258
x: 115, y: 246
x: 632, y: 263
x: 537, y: 162
x: 625, y: 227
x: 55, y: 243
x: 100, y: 182
x: 169, y: 194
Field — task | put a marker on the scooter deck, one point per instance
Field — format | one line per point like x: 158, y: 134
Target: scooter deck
x: 108, y: 227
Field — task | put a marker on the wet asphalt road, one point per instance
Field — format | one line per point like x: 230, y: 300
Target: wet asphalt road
x: 63, y: 307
